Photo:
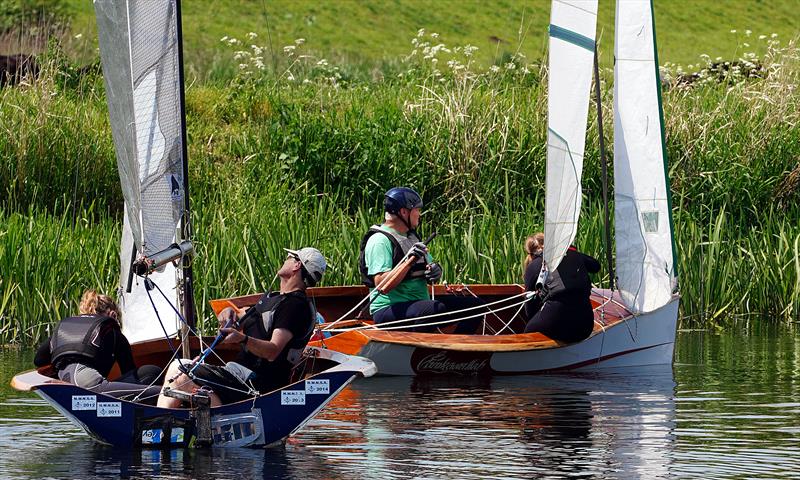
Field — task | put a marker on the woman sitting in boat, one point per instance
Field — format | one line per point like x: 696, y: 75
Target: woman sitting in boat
x: 402, y: 284
x: 84, y: 348
x: 562, y: 309
x: 272, y: 335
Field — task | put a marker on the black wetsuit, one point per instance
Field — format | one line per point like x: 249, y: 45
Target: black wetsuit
x: 111, y: 347
x: 564, y: 315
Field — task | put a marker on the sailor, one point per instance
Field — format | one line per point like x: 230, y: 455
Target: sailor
x: 562, y: 309
x: 271, y: 334
x: 403, y: 286
x: 84, y: 348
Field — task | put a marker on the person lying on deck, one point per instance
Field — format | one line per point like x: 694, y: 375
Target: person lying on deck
x: 562, y: 310
x: 272, y: 335
x: 404, y: 293
x: 84, y: 348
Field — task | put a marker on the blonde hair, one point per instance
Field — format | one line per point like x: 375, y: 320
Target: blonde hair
x: 533, y: 245
x: 93, y: 303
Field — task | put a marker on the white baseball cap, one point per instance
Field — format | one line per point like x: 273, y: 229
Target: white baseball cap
x: 312, y: 260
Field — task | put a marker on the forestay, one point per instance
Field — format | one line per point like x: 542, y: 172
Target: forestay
x: 643, y: 224
x: 572, y: 38
x: 139, y: 50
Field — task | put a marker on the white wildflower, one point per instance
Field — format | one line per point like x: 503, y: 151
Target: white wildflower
x: 289, y: 49
x: 733, y: 31
x: 421, y: 32
x: 322, y: 63
x: 306, y: 81
x: 242, y: 66
x: 434, y: 35
x: 510, y: 66
x: 290, y: 77
x: 494, y: 68
x: 79, y: 36
x: 762, y: 37
x: 233, y: 41
x: 256, y: 49
x: 252, y: 35
x: 748, y: 32
x: 746, y: 44
x: 224, y: 39
x: 774, y: 35
x: 300, y: 41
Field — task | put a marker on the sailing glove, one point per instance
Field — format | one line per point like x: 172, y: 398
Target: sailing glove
x: 433, y: 273
x: 418, y: 250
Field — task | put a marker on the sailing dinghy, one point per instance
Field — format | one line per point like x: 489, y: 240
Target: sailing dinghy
x: 141, y: 50
x: 635, y: 324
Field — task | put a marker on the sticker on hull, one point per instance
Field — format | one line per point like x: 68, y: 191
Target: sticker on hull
x: 433, y: 361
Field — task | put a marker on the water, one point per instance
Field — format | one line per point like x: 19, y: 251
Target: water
x: 730, y: 407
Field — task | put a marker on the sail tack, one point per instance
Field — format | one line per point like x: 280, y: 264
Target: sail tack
x: 645, y: 261
x: 572, y: 37
x: 139, y: 50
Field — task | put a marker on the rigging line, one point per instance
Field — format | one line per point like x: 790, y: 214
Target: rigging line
x: 404, y: 321
x: 163, y: 372
x: 442, y: 314
x: 512, y: 319
x: 604, y: 170
x: 163, y: 329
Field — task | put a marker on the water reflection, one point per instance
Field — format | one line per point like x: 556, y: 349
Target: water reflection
x: 733, y: 410
x: 577, y: 425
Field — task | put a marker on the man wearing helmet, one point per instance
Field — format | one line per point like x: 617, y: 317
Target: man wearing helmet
x: 404, y: 293
x: 271, y: 334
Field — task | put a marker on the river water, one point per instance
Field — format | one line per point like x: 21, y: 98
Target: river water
x: 728, y: 408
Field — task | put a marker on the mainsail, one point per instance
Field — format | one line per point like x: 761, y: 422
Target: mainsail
x: 139, y: 47
x: 643, y: 222
x: 572, y: 39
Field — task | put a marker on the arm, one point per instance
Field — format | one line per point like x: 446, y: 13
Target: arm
x: 123, y: 353
x: 43, y: 356
x: 387, y: 281
x: 268, y: 349
x: 591, y: 263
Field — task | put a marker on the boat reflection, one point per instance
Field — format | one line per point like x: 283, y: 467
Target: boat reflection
x: 591, y: 424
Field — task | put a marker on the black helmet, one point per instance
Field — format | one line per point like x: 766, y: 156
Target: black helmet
x: 401, y: 197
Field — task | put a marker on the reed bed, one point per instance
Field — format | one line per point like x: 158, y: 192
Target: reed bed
x: 302, y: 154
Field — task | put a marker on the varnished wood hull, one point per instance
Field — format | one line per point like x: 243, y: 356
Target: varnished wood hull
x: 620, y: 339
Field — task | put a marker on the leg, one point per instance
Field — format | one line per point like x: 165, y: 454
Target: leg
x: 410, y: 310
x: 468, y: 325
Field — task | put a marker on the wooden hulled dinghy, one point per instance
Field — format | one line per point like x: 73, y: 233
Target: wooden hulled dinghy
x: 619, y: 339
x: 635, y: 320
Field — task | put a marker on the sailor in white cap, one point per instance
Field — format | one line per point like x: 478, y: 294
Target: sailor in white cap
x: 272, y: 335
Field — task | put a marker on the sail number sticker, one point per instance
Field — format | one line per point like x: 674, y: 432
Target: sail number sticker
x: 318, y: 386
x: 109, y: 409
x: 293, y: 397
x: 84, y: 402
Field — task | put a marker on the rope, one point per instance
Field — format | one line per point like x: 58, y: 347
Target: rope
x: 404, y: 321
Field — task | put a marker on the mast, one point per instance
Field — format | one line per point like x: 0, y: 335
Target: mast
x: 604, y: 167
x: 186, y: 274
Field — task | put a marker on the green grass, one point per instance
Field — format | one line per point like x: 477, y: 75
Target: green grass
x: 372, y: 31
x: 278, y: 162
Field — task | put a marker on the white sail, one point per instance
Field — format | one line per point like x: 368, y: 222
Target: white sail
x: 572, y: 38
x: 642, y: 217
x: 139, y: 50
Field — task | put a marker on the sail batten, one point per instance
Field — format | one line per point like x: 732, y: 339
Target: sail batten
x: 139, y: 48
x: 644, y: 238
x: 571, y: 46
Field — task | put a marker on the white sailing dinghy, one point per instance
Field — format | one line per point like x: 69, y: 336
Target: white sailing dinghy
x: 634, y: 324
x: 141, y: 50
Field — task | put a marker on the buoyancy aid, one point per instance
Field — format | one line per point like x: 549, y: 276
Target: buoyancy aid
x: 258, y: 322
x: 77, y: 338
x: 570, y: 276
x: 400, y: 245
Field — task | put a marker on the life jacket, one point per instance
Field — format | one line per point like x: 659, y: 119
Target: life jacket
x: 570, y: 276
x: 400, y: 245
x: 77, y: 338
x: 259, y: 323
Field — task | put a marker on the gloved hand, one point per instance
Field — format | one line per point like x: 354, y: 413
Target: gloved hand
x: 433, y: 272
x: 418, y: 250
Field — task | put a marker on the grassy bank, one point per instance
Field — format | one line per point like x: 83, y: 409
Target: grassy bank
x: 301, y: 154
